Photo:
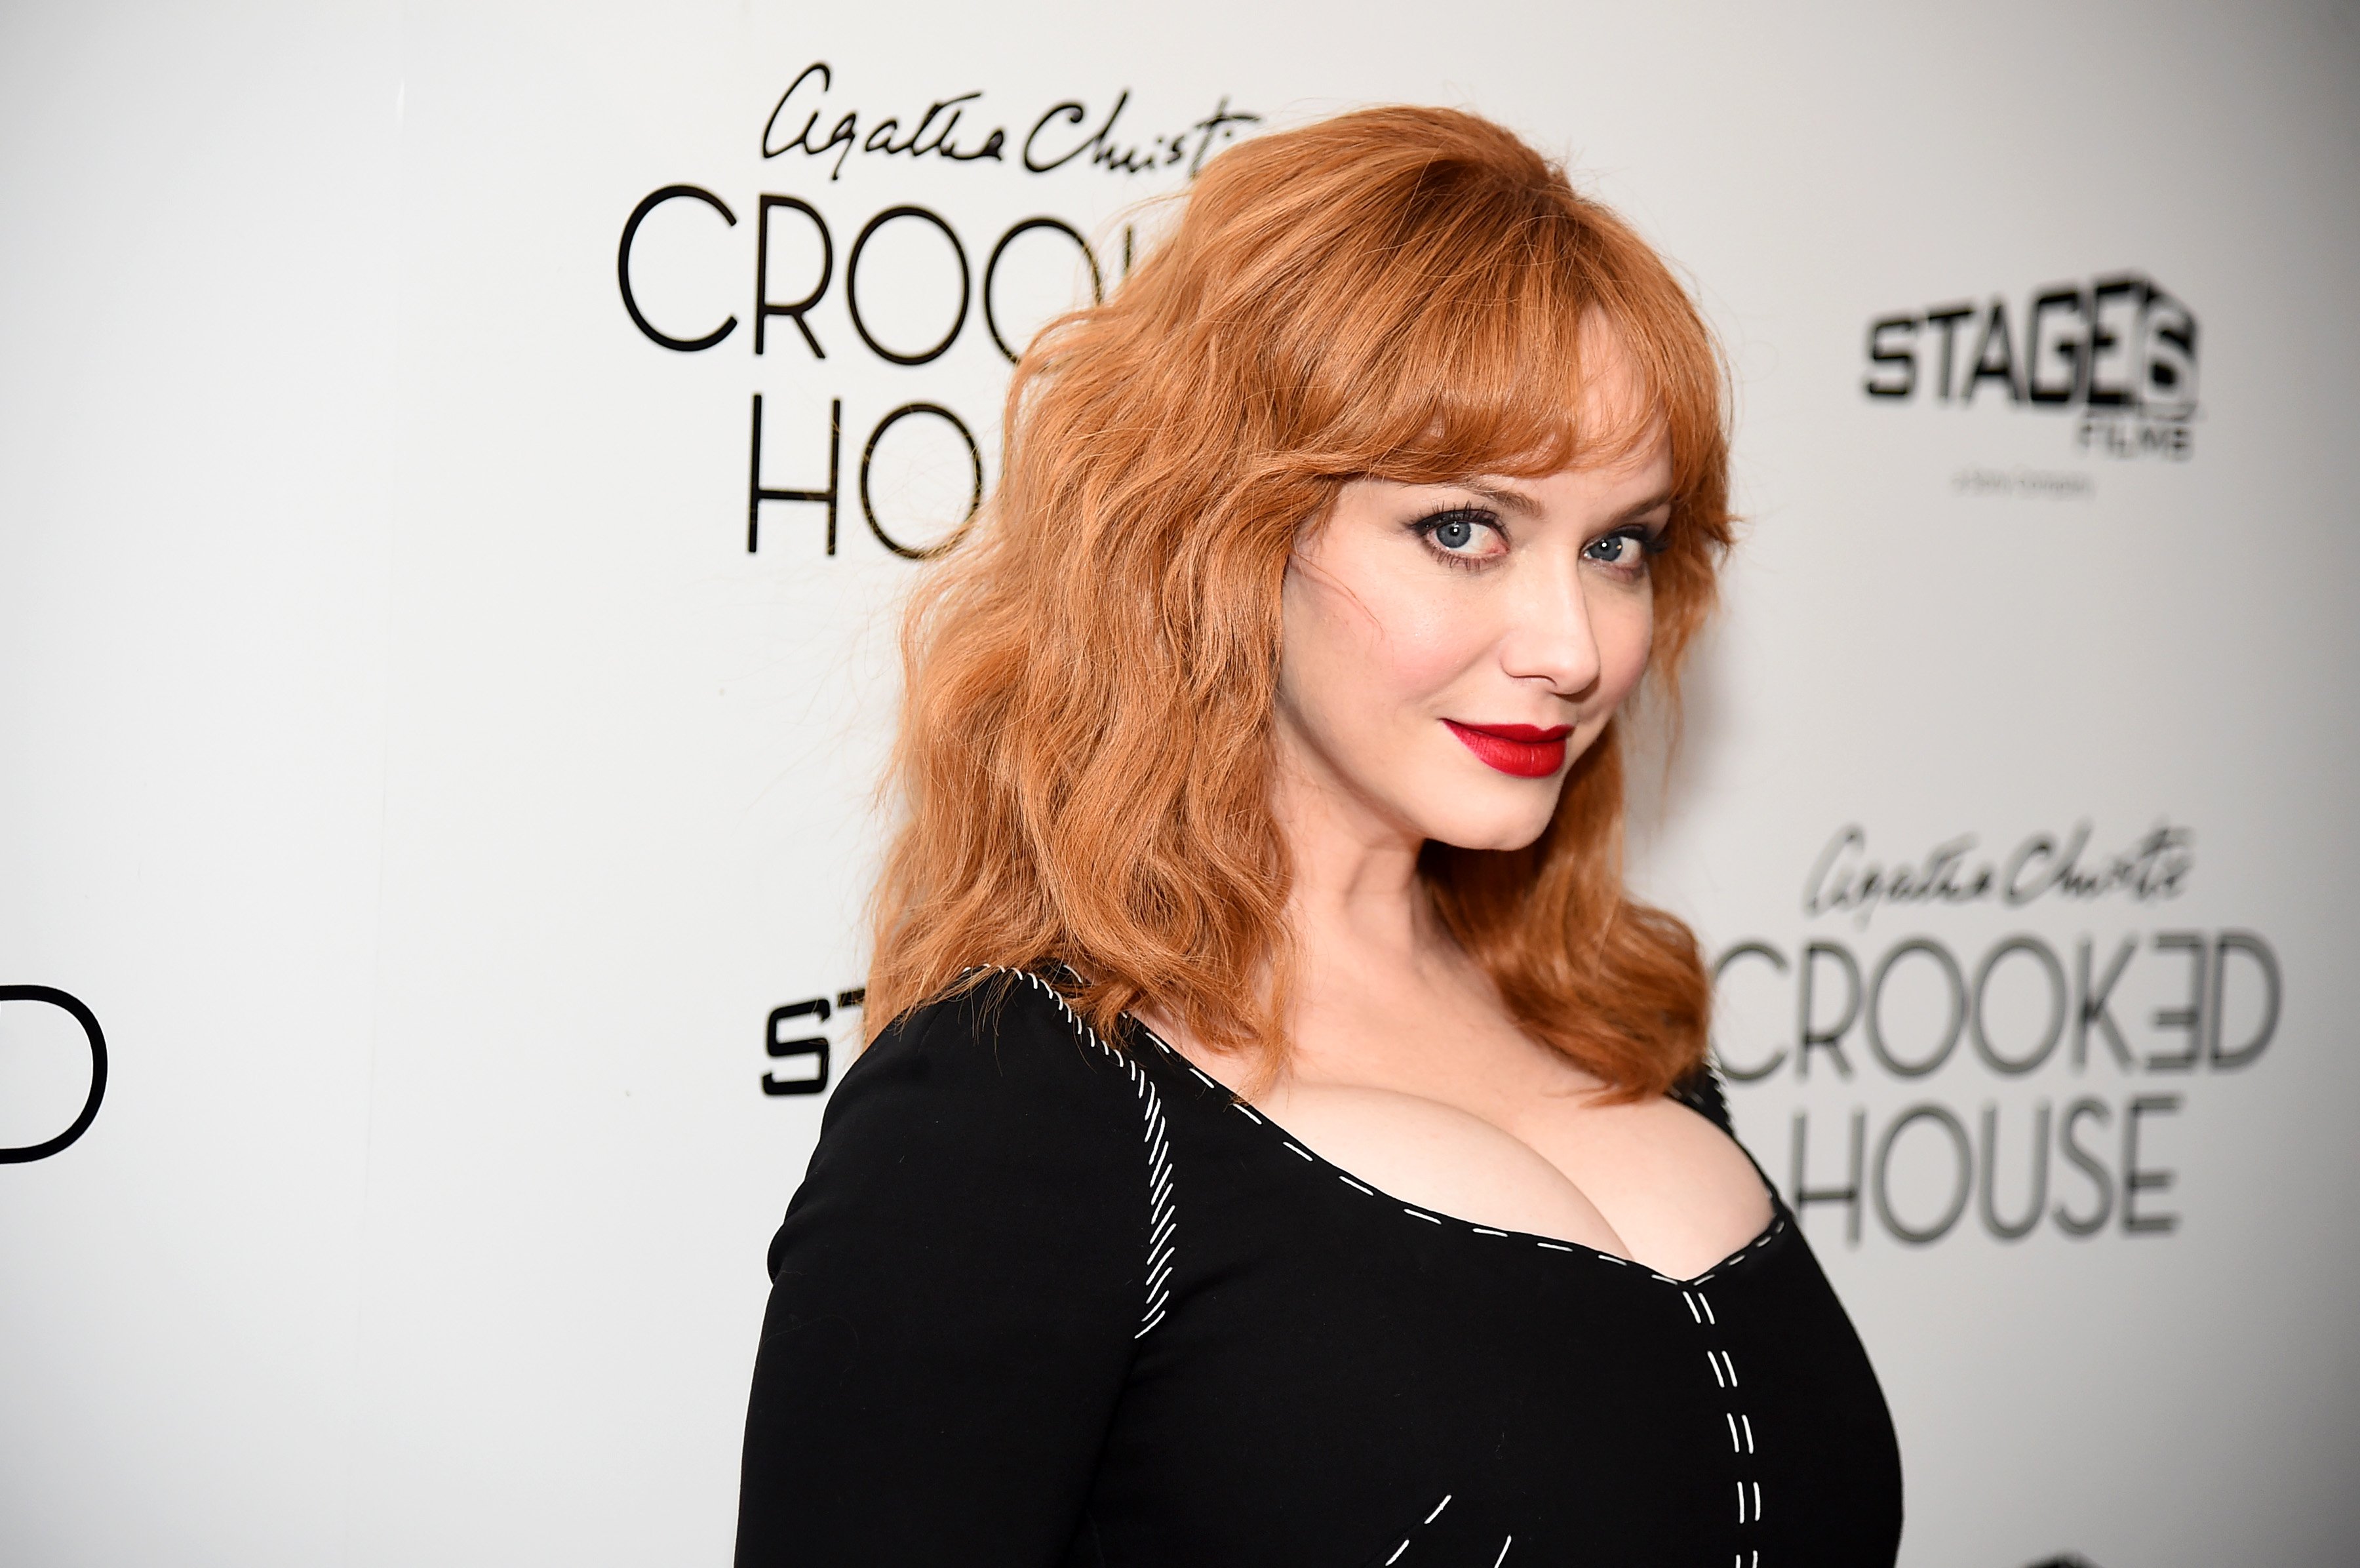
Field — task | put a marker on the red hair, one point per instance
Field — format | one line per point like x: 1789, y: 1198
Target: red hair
x: 1085, y: 756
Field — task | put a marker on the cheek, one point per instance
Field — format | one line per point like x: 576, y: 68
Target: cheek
x: 1427, y: 643
x: 1374, y: 646
x: 1625, y: 630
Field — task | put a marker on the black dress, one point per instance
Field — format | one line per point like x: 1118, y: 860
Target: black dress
x: 1042, y: 1300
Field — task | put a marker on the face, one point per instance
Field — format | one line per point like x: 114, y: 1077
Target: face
x: 1449, y: 651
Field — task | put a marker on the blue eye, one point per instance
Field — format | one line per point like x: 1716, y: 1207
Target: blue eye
x: 1462, y: 536
x: 1625, y: 548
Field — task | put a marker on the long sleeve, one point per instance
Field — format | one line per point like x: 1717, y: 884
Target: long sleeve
x: 955, y: 1295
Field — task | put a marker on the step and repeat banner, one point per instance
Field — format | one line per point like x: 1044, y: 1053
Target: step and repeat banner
x: 458, y: 468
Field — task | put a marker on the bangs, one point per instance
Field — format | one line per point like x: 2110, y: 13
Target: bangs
x: 1475, y: 337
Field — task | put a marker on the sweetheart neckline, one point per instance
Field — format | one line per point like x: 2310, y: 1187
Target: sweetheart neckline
x: 1770, y: 1231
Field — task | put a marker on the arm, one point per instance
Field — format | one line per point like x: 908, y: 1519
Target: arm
x: 953, y: 1296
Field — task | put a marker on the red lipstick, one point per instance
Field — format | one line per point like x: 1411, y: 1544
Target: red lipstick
x: 1527, y: 751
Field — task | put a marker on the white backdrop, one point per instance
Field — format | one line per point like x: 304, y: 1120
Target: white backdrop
x: 403, y: 757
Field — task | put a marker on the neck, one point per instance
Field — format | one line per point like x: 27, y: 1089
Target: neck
x: 1356, y: 902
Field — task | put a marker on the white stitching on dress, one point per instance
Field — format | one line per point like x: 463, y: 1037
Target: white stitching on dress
x: 1162, y: 1215
x: 1740, y: 1422
x: 1778, y: 1223
x: 1161, y: 1212
x: 1421, y: 1524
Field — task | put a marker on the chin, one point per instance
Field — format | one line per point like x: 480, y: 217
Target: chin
x: 1507, y: 826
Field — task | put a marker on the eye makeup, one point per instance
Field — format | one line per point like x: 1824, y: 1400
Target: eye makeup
x: 1458, y: 536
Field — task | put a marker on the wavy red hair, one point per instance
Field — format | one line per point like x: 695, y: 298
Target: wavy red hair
x: 1085, y: 758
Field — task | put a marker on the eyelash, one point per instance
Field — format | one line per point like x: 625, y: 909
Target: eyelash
x: 1427, y: 527
x: 1650, y: 544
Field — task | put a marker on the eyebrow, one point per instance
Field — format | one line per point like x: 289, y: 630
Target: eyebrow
x: 1631, y: 514
x: 1521, y: 504
x: 1507, y: 500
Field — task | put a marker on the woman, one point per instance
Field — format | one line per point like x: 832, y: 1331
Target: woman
x: 1289, y: 1143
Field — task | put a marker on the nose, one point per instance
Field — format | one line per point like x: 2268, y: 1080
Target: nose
x: 1549, y: 636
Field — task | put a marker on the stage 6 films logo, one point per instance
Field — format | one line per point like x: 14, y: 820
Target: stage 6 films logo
x: 2118, y: 354
x: 803, y: 1056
